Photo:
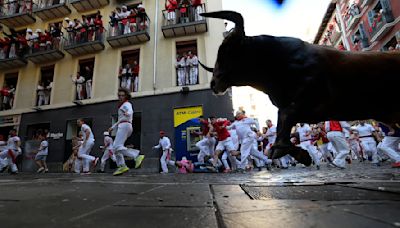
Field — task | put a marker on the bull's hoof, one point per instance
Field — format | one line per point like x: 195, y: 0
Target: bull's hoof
x: 297, y: 153
x: 301, y: 156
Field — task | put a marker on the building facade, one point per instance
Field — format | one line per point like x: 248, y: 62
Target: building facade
x: 361, y: 25
x: 42, y: 90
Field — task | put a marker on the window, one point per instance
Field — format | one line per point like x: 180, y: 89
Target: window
x: 187, y: 67
x: 35, y: 130
x: 84, y: 79
x: 8, y: 91
x: 390, y: 45
x: 45, y: 85
x: 129, y: 70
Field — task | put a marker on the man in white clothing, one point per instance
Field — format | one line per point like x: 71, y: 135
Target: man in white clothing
x: 335, y: 134
x: 180, y: 66
x: 86, y: 147
x: 124, y: 131
x: 165, y: 159
x: 108, y: 151
x: 248, y: 139
x: 366, y: 133
x: 390, y: 143
x: 79, y: 81
x: 193, y: 64
x: 306, y: 142
x: 10, y: 154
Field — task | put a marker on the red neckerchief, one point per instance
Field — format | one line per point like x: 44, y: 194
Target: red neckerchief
x: 119, y: 105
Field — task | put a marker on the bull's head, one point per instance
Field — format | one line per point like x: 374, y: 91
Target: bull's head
x: 225, y: 72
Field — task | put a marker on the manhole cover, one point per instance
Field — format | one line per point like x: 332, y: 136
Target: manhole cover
x: 323, y: 193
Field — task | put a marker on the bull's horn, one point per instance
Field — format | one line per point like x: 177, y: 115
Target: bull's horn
x: 233, y: 16
x: 209, y: 69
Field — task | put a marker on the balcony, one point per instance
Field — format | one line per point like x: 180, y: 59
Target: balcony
x: 335, y: 36
x: 14, y: 15
x: 46, y: 53
x: 86, y: 5
x: 120, y: 37
x: 353, y: 21
x: 381, y: 26
x: 46, y: 12
x: 89, y: 42
x: 184, y: 23
x: 12, y: 63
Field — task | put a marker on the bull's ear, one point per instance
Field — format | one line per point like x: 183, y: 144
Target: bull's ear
x: 233, y: 16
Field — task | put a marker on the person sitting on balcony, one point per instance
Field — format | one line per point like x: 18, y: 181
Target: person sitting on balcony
x: 171, y: 7
x: 180, y: 66
x: 132, y: 20
x: 41, y: 94
x: 135, y: 74
x: 193, y: 63
x: 79, y: 81
x: 99, y: 28
x: 198, y: 9
x: 47, y: 92
x: 184, y: 11
x: 70, y: 30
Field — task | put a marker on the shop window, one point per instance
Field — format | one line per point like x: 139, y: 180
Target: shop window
x: 35, y: 130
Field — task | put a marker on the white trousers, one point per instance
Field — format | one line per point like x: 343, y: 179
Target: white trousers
x: 368, y: 145
x: 306, y: 145
x: 79, y: 88
x: 199, y: 10
x: 136, y: 84
x: 89, y: 89
x: 124, y: 131
x: 108, y: 153
x: 206, y: 146
x: 166, y: 160
x: 339, y: 143
x: 389, y: 146
x: 325, y: 152
x: 181, y: 76
x: 83, y: 153
x: 41, y: 100
x: 193, y: 75
x: 248, y: 148
x: 130, y: 153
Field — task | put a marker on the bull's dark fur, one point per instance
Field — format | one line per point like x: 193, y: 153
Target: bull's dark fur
x: 308, y: 83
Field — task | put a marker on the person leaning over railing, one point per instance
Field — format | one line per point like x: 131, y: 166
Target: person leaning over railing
x: 99, y: 28
x: 171, y: 6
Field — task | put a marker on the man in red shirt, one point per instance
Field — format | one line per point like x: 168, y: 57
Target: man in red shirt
x: 171, y: 6
x: 224, y: 138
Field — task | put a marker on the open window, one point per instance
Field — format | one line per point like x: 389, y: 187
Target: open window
x: 187, y: 68
x: 45, y: 85
x: 129, y: 70
x: 84, y: 84
x: 8, y: 91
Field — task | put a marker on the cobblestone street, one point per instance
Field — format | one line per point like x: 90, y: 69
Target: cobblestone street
x: 359, y: 196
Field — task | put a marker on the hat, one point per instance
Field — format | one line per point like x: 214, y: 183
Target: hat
x: 162, y: 133
x: 106, y: 133
x: 38, y: 30
x: 29, y: 30
x: 67, y: 19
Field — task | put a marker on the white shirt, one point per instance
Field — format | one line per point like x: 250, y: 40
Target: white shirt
x: 234, y: 138
x: 40, y: 90
x: 365, y: 130
x: 194, y: 61
x: 12, y: 143
x: 243, y: 127
x: 303, y: 131
x: 164, y: 143
x: 43, y: 149
x: 181, y: 62
x: 108, y: 142
x: 271, y: 134
x: 79, y: 80
x: 85, y: 128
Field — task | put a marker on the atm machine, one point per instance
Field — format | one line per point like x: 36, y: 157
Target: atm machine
x: 186, y: 137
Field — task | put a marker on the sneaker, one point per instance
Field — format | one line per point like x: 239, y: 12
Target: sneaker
x: 121, y: 170
x: 46, y: 170
x: 86, y: 173
x: 164, y: 172
x: 41, y: 169
x: 139, y: 161
x: 95, y: 162
x: 396, y: 165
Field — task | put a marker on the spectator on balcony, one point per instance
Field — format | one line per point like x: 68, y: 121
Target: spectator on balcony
x: 88, y: 75
x: 42, y: 39
x: 126, y: 77
x: 11, y: 95
x: 124, y: 20
x: 5, y: 94
x: 70, y: 30
x: 142, y: 17
x: 56, y: 34
x: 171, y: 7
x: 113, y: 23
x: 79, y: 81
x: 135, y: 74
x: 132, y: 20
x: 41, y: 94
x: 184, y: 11
x: 121, y: 15
x: 198, y: 9
x: 30, y: 39
x: 12, y: 7
x: 84, y: 30
x: 180, y: 66
x: 78, y: 28
x: 47, y: 92
x: 25, y: 6
x: 99, y: 28
x: 193, y: 63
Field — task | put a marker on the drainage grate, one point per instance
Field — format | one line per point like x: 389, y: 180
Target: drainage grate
x: 322, y: 193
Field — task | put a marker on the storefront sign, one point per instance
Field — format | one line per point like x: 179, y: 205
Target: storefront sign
x: 9, y: 120
x: 56, y: 135
x: 182, y: 115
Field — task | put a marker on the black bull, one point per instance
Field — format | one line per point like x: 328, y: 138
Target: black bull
x: 308, y: 83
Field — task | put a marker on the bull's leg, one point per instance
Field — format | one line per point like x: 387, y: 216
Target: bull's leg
x: 283, y: 146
